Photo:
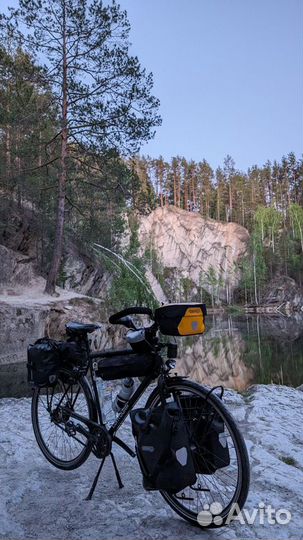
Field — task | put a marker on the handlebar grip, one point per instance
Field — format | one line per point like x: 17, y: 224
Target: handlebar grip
x: 137, y: 310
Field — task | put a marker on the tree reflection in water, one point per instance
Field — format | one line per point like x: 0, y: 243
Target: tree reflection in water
x: 237, y: 351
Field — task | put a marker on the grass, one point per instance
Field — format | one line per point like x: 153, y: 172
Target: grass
x: 289, y: 461
x: 234, y: 310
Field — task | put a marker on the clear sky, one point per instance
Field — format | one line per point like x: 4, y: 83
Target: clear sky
x: 228, y: 73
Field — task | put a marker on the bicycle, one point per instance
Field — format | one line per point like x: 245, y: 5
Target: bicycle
x: 68, y: 422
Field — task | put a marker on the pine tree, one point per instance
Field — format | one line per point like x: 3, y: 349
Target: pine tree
x: 103, y: 96
x: 229, y: 172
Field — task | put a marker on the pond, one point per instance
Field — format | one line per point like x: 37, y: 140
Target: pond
x: 236, y: 351
x: 241, y: 350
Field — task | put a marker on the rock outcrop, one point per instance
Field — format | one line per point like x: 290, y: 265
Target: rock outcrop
x: 283, y: 294
x: 84, y: 273
x: 189, y: 246
x: 22, y: 321
x: 16, y: 269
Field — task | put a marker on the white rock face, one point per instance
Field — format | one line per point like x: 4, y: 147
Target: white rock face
x: 39, y: 501
x: 190, y: 245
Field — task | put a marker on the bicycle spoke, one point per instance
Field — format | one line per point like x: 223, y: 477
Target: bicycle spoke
x: 56, y: 428
x: 221, y: 483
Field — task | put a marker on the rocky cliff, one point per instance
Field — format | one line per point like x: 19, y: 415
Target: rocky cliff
x: 205, y: 252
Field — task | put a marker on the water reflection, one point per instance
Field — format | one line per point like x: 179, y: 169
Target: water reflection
x: 236, y: 351
x: 241, y: 350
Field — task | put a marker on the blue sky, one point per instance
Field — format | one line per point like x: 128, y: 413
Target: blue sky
x: 228, y: 73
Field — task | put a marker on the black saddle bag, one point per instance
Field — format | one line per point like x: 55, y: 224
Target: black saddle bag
x: 46, y: 356
x: 163, y: 448
x: 43, y: 362
x: 210, y: 446
x: 73, y: 352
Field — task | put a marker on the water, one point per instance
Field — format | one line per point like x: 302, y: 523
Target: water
x: 236, y: 351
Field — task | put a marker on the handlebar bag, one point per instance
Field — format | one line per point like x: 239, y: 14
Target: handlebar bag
x: 43, y: 362
x: 129, y: 364
x: 181, y: 319
x: 210, y: 446
x: 163, y: 448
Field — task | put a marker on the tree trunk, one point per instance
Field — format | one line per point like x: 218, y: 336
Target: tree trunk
x: 18, y: 169
x: 50, y: 286
x: 243, y: 211
x: 161, y: 187
x: 218, y: 203
x: 40, y: 153
x: 8, y: 154
x: 175, y: 189
x: 230, y: 213
x: 255, y: 278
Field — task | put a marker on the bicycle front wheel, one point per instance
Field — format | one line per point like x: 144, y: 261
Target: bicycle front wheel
x: 54, y: 429
x: 216, y: 493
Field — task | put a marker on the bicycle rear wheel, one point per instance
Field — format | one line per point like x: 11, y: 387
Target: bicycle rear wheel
x: 54, y: 429
x: 208, y: 503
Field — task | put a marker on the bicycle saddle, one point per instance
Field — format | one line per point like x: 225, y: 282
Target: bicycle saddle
x: 81, y: 328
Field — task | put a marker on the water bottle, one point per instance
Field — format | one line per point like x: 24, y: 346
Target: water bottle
x: 124, y: 394
x: 105, y: 396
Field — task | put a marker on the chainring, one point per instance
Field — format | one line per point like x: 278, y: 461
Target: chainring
x: 103, y: 442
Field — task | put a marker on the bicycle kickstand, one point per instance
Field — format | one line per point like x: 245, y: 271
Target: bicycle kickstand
x: 120, y: 484
x: 92, y: 489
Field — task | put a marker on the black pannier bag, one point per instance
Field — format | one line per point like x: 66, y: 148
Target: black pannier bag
x: 163, y: 448
x: 43, y: 362
x: 73, y: 352
x: 209, y: 436
x: 127, y: 364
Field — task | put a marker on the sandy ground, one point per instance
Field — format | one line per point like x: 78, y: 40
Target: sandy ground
x: 34, y: 295
x: 39, y: 501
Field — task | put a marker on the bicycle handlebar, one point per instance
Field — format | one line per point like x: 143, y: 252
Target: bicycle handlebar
x: 136, y: 310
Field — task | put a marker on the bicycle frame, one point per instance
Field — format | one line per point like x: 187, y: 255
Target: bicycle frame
x: 96, y: 401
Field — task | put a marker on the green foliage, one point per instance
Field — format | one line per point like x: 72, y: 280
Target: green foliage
x: 101, y: 96
x: 127, y: 290
x: 289, y: 460
x: 296, y: 216
x: 214, y: 282
x: 102, y: 187
x: 187, y: 286
x: 110, y: 102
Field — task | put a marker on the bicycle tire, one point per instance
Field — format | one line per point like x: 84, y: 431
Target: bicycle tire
x: 176, y: 385
x: 65, y: 379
